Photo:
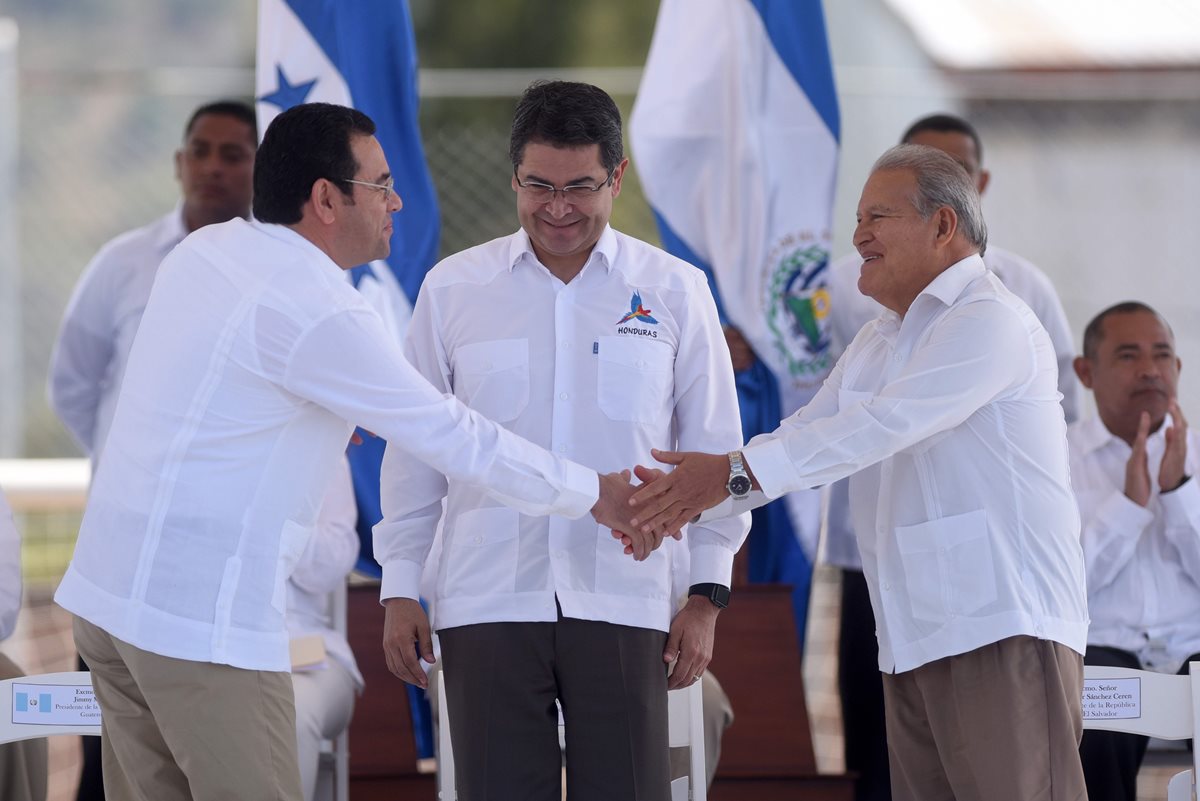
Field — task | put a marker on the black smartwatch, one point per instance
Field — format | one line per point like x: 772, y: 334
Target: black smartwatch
x: 717, y: 593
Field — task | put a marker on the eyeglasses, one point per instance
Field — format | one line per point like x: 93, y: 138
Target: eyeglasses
x: 387, y: 187
x: 577, y: 194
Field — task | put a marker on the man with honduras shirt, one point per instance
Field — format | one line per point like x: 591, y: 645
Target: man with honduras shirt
x: 598, y: 347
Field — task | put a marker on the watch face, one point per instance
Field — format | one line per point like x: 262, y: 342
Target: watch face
x: 739, y: 486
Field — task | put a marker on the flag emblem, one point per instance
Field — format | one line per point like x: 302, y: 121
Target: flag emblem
x: 797, y: 309
x: 637, y: 312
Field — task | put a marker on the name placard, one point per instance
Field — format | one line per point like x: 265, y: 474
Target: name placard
x: 1112, y: 699
x: 55, y: 704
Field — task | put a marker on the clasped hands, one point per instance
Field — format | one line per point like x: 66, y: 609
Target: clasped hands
x: 642, y: 516
x: 1171, y: 472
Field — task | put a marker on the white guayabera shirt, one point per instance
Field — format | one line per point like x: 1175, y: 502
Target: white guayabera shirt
x: 626, y: 357
x: 252, y: 361
x: 851, y: 310
x: 950, y: 423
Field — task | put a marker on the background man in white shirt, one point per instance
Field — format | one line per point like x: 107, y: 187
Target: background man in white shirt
x: 23, y: 764
x: 1131, y: 469
x: 859, y: 682
x: 215, y: 168
x: 945, y: 410
x: 253, y: 360
x: 597, y: 346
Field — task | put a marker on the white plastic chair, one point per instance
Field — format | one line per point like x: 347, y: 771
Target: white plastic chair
x: 685, y: 728
x: 48, y: 704
x: 333, y: 774
x: 1152, y: 704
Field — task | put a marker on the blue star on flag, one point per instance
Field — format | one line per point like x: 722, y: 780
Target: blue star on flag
x: 288, y: 94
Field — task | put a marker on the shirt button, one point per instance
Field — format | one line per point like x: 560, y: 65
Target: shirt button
x: 562, y: 448
x: 886, y: 586
x: 897, y: 358
x: 563, y: 396
x: 478, y: 540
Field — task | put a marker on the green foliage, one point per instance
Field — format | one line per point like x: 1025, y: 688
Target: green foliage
x: 520, y: 33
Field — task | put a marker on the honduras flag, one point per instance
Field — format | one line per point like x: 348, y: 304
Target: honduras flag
x: 360, y: 53
x: 735, y: 132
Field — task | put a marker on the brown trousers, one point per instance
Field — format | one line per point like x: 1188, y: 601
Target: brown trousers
x: 501, y: 683
x: 177, y: 730
x: 23, y: 764
x: 999, y: 723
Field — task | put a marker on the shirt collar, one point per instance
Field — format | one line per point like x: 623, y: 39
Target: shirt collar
x: 605, y: 249
x: 286, y: 234
x: 172, y: 231
x: 945, y: 287
x: 953, y: 280
x: 1093, y: 435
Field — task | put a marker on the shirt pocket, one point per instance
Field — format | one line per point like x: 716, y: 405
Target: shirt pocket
x: 482, y: 557
x: 493, y: 377
x: 293, y: 539
x: 948, y: 566
x: 635, y: 379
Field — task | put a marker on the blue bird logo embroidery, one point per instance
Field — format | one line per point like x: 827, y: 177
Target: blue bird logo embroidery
x: 636, y: 312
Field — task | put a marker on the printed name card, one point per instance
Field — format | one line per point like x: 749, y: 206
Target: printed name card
x: 55, y: 704
x: 1112, y: 699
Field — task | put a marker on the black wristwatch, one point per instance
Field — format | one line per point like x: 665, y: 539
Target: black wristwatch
x: 717, y: 593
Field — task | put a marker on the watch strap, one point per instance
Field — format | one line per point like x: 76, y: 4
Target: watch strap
x: 717, y: 593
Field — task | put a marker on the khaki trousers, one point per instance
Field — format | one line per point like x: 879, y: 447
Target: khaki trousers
x: 999, y: 723
x: 176, y: 730
x: 23, y: 764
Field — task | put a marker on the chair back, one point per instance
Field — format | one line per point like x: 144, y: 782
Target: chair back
x: 48, y: 704
x: 1147, y: 703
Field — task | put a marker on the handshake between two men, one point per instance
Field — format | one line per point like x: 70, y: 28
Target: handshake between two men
x: 643, y: 515
x: 640, y: 515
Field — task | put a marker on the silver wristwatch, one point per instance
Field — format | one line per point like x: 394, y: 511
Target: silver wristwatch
x: 739, y: 480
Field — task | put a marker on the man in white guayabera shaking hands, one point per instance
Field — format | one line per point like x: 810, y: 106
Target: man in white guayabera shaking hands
x: 945, y: 411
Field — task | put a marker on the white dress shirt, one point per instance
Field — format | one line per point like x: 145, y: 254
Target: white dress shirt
x: 102, y: 317
x: 1143, y: 563
x: 949, y: 421
x: 254, y: 358
x: 561, y: 365
x: 327, y: 560
x: 852, y: 310
x: 10, y: 570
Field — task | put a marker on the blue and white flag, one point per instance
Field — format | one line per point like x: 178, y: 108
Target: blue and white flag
x: 735, y: 132
x: 735, y: 137
x: 360, y: 53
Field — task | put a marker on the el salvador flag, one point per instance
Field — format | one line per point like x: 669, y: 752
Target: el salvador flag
x: 735, y: 132
x: 360, y: 53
